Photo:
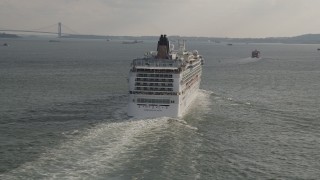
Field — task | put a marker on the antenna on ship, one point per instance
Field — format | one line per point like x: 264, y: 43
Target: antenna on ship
x: 182, y: 45
x: 171, y: 45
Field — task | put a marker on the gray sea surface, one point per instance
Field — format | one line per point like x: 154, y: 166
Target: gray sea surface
x: 63, y: 114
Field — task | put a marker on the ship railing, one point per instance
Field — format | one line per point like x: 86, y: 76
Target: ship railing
x: 155, y: 85
x: 153, y: 70
x: 153, y: 80
x: 164, y: 63
x: 155, y: 93
x: 154, y: 75
x: 161, y: 89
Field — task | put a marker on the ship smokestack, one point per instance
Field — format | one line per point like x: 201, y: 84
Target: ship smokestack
x: 163, y: 47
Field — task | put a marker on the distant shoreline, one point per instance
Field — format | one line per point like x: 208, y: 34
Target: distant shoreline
x: 4, y: 35
x: 302, y: 39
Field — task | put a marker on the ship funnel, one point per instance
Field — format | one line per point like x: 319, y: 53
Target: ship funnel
x: 163, y: 48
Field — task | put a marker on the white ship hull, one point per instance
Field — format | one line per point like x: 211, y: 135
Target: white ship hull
x: 178, y: 109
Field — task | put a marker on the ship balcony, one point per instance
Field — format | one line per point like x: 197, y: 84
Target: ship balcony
x: 155, y: 70
x: 156, y: 63
x: 154, y: 84
x: 140, y: 92
x: 153, y: 80
x: 161, y: 89
x: 155, y: 75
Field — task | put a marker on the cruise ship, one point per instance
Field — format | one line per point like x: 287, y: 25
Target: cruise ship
x: 164, y: 83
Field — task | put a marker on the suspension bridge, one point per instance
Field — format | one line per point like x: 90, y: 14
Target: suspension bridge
x: 45, y: 30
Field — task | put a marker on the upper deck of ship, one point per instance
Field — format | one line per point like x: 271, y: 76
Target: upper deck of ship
x: 166, y: 58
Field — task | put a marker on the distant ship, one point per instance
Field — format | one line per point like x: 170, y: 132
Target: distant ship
x: 164, y: 82
x: 132, y: 42
x: 255, y: 54
x: 5, y: 44
x: 54, y: 41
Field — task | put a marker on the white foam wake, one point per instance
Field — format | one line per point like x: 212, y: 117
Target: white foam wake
x: 102, y: 149
x: 202, y: 102
x: 98, y: 152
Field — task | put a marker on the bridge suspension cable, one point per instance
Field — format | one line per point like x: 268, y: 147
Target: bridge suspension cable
x: 45, y: 27
x: 64, y: 26
x: 46, y: 30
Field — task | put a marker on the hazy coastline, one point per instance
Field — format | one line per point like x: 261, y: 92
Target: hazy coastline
x: 301, y: 39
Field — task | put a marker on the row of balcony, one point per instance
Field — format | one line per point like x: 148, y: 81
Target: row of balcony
x: 155, y: 75
x: 154, y: 84
x: 189, y: 76
x: 154, y: 93
x: 171, y: 71
x: 154, y: 101
x: 153, y: 89
x: 153, y: 80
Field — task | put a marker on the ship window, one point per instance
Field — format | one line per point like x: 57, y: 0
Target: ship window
x: 153, y: 101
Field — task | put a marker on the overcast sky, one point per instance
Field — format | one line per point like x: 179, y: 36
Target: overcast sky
x: 212, y: 18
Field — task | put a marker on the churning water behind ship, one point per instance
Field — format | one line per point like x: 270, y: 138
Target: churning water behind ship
x: 63, y: 114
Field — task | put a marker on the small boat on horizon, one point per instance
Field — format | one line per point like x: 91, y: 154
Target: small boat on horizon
x: 255, y: 54
x: 132, y: 42
x: 5, y: 44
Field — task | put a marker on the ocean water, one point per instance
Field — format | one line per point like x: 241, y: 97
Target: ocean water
x: 63, y: 114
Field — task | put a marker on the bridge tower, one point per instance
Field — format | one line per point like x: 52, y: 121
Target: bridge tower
x: 59, y: 29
